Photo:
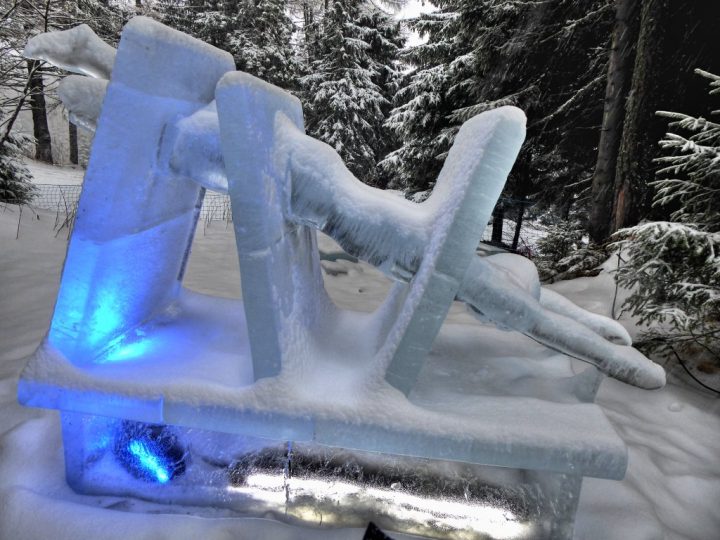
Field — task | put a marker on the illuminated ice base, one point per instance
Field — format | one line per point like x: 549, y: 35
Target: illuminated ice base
x: 496, y: 445
x: 315, y: 485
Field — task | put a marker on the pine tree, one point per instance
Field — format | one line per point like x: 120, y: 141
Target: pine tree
x: 15, y: 186
x: 344, y: 102
x: 261, y: 43
x: 258, y: 33
x: 481, y: 54
x: 420, y: 117
x: 673, y: 267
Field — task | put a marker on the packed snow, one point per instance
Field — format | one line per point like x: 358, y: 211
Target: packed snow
x: 671, y: 489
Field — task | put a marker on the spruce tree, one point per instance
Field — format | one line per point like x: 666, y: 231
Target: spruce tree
x: 15, y: 185
x: 258, y: 33
x: 420, y: 117
x: 544, y: 57
x: 344, y: 102
x: 673, y: 267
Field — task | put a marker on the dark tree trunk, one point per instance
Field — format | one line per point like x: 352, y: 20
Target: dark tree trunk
x: 73, y: 138
x: 616, y: 90
x: 675, y: 38
x: 41, y: 131
x: 519, y: 222
x: 497, y: 226
x: 637, y: 147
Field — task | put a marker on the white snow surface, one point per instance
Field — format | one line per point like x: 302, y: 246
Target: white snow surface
x: 671, y: 490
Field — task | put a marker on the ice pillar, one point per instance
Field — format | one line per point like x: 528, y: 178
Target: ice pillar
x: 281, y: 280
x: 134, y: 220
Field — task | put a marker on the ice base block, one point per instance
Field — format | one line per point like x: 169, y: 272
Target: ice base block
x: 190, y: 368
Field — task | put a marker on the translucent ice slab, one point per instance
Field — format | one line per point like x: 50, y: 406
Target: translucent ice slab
x: 314, y: 485
x: 135, y: 219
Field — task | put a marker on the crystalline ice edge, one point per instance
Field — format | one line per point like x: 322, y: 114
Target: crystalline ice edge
x: 123, y: 263
x: 282, y: 286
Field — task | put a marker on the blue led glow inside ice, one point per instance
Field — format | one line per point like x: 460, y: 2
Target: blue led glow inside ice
x: 128, y: 351
x: 149, y: 461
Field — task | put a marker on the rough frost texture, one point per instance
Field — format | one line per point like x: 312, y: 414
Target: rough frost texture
x: 78, y: 50
x: 394, y: 237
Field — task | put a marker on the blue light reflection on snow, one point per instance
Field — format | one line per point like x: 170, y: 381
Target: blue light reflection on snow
x: 149, y: 461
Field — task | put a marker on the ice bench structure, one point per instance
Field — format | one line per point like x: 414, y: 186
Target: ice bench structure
x: 283, y: 405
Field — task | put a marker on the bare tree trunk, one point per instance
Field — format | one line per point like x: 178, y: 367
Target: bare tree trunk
x: 638, y: 146
x: 519, y: 222
x: 41, y: 131
x: 73, y: 138
x: 497, y: 226
x: 616, y: 90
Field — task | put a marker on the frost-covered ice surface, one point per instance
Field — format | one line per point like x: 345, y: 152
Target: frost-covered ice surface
x: 672, y: 488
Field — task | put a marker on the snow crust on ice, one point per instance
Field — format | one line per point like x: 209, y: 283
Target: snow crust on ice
x: 78, y: 50
x: 415, y: 242
x: 670, y: 491
x: 83, y: 97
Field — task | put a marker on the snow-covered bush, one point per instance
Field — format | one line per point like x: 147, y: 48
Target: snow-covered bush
x: 673, y: 268
x: 15, y: 186
x: 562, y: 253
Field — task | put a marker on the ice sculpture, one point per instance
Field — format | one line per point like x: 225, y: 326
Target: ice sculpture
x: 170, y: 395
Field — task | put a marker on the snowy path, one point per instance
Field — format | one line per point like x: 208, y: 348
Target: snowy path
x: 671, y: 491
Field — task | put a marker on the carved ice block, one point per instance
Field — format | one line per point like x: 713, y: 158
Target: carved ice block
x: 469, y: 184
x: 123, y: 262
x: 282, y: 286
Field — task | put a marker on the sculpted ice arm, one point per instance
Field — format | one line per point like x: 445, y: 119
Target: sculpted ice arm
x: 196, y: 153
x: 325, y: 194
x: 78, y: 50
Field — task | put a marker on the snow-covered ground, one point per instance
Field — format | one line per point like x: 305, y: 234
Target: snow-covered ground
x: 671, y: 490
x: 44, y: 173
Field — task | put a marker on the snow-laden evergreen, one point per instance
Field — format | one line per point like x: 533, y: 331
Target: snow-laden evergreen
x: 420, y: 117
x: 257, y: 33
x: 674, y: 266
x: 15, y: 186
x: 545, y: 57
x: 345, y: 93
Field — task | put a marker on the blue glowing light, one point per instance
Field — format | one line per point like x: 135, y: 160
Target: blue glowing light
x: 149, y: 461
x: 128, y: 351
x: 150, y: 452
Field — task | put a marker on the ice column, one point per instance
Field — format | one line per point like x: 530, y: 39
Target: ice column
x: 465, y: 194
x: 282, y: 285
x: 135, y: 220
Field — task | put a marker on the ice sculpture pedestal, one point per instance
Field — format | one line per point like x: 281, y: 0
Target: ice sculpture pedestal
x: 285, y: 405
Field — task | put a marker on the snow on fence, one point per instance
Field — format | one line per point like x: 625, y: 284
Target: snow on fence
x: 63, y: 200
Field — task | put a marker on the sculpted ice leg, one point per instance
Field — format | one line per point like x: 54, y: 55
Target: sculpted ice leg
x: 489, y: 293
x: 559, y: 324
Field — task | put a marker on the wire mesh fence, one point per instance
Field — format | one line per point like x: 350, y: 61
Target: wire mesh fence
x: 63, y: 200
